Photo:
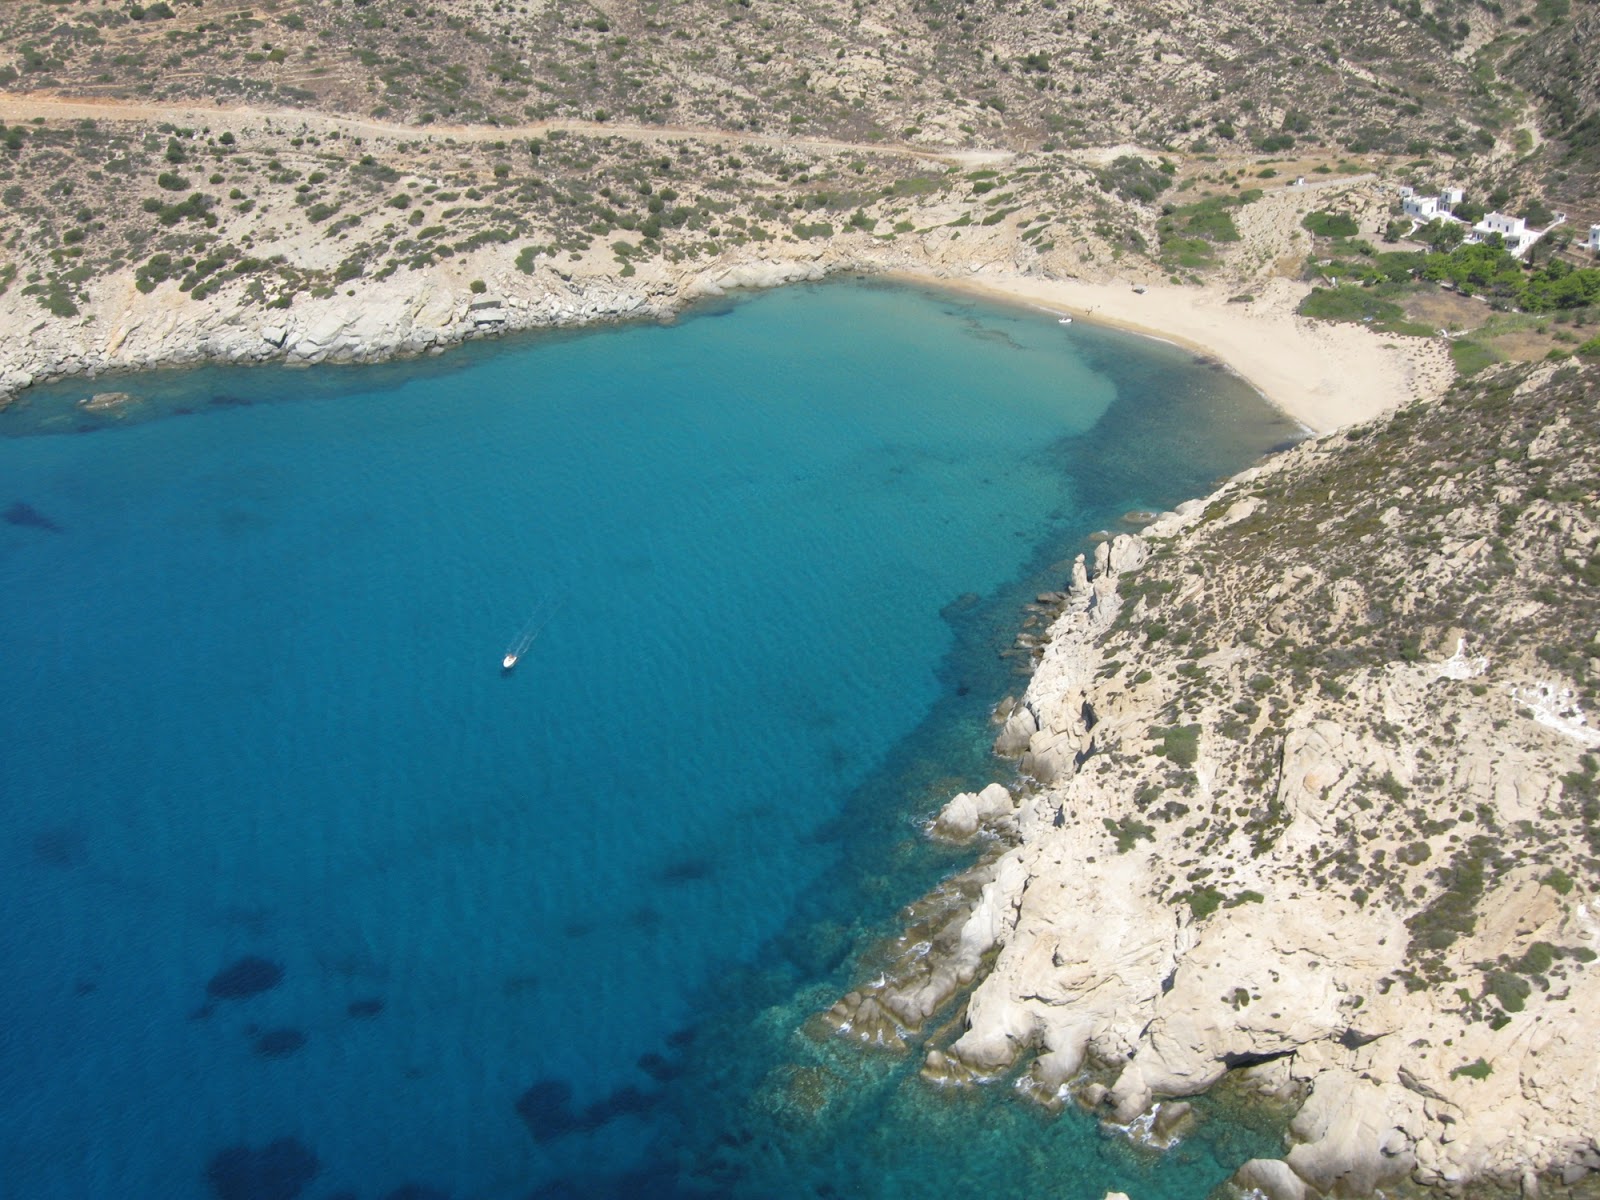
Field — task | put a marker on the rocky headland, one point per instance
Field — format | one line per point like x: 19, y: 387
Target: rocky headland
x: 1307, y: 794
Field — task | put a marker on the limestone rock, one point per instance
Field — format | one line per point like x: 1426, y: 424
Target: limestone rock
x: 961, y: 818
x: 1272, y: 1177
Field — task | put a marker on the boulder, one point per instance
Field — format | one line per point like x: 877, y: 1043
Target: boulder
x: 1272, y: 1177
x: 1352, y: 1144
x: 1173, y: 1117
x: 961, y: 818
x: 1128, y: 553
x: 1017, y: 732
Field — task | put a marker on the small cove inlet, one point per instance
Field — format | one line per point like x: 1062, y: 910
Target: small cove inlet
x: 511, y: 941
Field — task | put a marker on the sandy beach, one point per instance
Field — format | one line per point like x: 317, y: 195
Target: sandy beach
x: 1324, y: 375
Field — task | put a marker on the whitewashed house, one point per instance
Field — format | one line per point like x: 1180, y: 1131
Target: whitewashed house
x: 1451, y: 197
x: 1594, y: 239
x: 1513, y: 231
x: 1421, y: 208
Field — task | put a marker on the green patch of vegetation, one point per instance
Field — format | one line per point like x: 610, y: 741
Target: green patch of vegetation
x: 1470, y: 357
x: 1203, y: 901
x: 1190, y: 234
x: 1179, y: 744
x: 1128, y: 831
x: 1452, y: 914
x: 196, y: 208
x: 1330, y: 225
x: 1133, y: 178
x: 1473, y: 1070
x: 55, y: 296
x: 1348, y: 302
x: 1559, y: 881
x: 1510, y: 990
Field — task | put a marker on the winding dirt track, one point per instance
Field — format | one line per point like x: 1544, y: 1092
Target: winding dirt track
x: 26, y: 107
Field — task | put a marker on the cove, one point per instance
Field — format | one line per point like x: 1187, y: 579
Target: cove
x: 305, y: 896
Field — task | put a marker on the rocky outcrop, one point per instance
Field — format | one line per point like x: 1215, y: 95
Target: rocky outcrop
x: 1282, y: 812
x: 402, y: 316
x: 961, y: 819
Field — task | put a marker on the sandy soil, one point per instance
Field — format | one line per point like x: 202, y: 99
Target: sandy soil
x: 1323, y: 375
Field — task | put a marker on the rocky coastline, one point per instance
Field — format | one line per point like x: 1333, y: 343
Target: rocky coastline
x: 1259, y: 832
x: 375, y: 322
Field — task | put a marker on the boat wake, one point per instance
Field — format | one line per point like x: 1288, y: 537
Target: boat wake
x: 531, y: 629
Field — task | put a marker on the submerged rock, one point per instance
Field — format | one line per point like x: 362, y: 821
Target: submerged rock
x: 105, y: 401
x: 279, y: 1043
x: 547, y: 1110
x: 249, y: 976
x: 281, y: 1170
x: 26, y: 516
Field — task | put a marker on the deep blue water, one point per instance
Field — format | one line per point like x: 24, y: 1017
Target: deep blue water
x: 552, y: 932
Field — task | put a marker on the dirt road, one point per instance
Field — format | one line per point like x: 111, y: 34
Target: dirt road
x: 26, y: 107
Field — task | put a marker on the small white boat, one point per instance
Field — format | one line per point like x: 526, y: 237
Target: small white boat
x: 1064, y: 321
x: 508, y: 662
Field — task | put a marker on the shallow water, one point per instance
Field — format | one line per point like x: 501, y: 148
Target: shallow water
x: 552, y: 930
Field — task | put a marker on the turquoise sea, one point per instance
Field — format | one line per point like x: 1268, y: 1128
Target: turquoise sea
x: 304, y: 896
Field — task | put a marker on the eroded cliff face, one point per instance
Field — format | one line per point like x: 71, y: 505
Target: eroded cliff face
x: 1308, y: 791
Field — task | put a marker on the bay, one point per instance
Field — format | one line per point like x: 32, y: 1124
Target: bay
x: 554, y: 928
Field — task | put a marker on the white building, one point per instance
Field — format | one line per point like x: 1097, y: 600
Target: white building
x: 1430, y: 208
x: 1423, y: 208
x: 1513, y: 231
x: 1594, y: 238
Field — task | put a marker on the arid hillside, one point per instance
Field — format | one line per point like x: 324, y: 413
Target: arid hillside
x: 1308, y: 795
x: 1170, y: 75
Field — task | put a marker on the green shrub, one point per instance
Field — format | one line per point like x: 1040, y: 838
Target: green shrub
x: 1203, y: 901
x: 1559, y: 880
x: 1327, y: 224
x: 1179, y: 744
x: 1347, y: 302
x: 1128, y: 831
x: 1475, y: 1070
x: 1536, y: 960
x: 57, y: 298
x: 1133, y: 178
x: 1512, y: 992
x: 1470, y: 357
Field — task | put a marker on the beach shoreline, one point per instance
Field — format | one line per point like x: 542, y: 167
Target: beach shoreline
x: 1323, y: 376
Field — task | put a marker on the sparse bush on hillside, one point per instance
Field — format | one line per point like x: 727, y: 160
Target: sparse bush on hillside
x: 1134, y: 178
x: 1328, y: 224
